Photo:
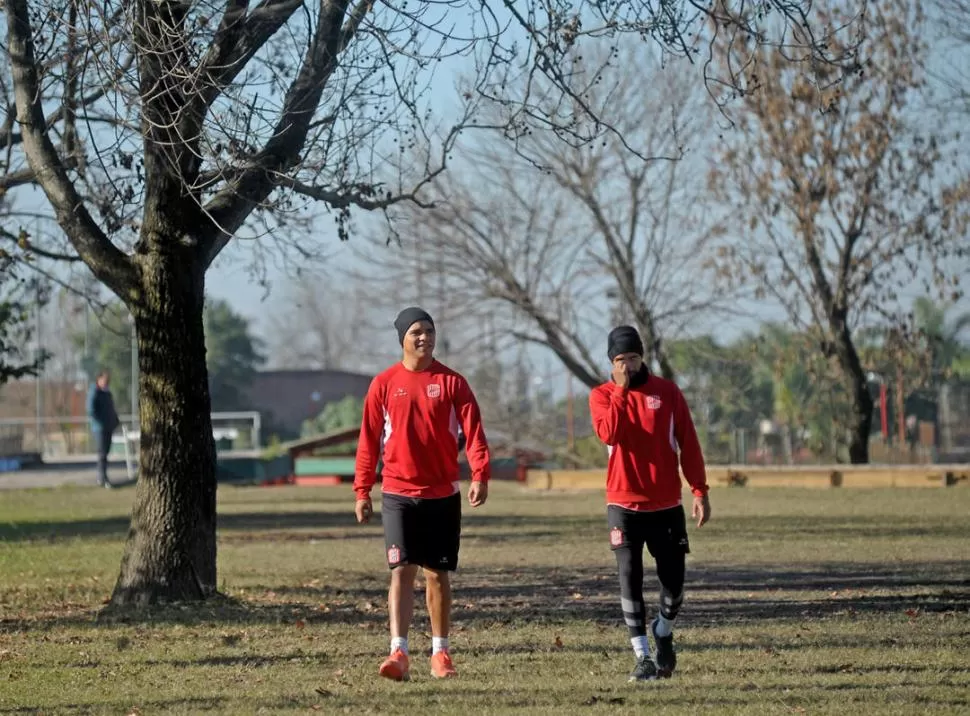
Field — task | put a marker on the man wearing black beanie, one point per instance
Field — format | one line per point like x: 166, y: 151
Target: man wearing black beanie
x: 407, y: 318
x: 646, y: 424
x: 624, y: 339
x: 412, y: 415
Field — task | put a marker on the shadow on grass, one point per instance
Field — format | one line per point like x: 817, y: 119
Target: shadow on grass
x: 488, y: 598
x: 720, y: 595
x: 189, y: 703
x: 515, y: 528
x: 228, y: 523
x: 274, y: 526
x: 250, y: 661
x: 231, y: 524
x: 498, y: 527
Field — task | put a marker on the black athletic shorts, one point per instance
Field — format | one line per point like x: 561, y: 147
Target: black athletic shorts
x: 664, y: 532
x: 421, y: 531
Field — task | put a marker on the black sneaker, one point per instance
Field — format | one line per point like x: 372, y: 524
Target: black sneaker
x: 665, y: 656
x: 645, y: 670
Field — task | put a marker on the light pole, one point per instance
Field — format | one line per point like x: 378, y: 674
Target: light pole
x: 873, y: 377
x: 616, y: 305
x: 86, y: 366
x: 134, y: 373
x: 570, y: 421
x: 39, y: 380
x: 89, y: 364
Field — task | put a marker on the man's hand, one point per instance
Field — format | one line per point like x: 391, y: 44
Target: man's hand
x: 477, y: 494
x: 621, y: 375
x: 363, y: 509
x: 702, y: 510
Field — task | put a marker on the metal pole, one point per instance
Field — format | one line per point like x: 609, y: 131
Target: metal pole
x: 39, y: 407
x: 445, y: 344
x: 86, y: 364
x: 900, y: 407
x: 134, y: 374
x: 417, y: 269
x: 944, y: 431
x: 570, y: 422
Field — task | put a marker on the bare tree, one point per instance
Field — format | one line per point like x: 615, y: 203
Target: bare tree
x: 548, y: 243
x: 216, y: 115
x: 18, y: 301
x: 952, y: 25
x: 324, y: 322
x: 839, y: 211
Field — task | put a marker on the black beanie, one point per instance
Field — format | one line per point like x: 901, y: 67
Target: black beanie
x: 623, y: 339
x: 407, y: 318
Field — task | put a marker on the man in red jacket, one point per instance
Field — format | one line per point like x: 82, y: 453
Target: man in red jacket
x: 646, y: 424
x: 412, y: 415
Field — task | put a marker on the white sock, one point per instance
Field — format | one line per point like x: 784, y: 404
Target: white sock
x: 399, y: 642
x: 641, y: 646
x: 439, y: 643
x: 663, y: 626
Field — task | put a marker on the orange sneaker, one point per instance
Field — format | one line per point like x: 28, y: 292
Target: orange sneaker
x: 395, y: 667
x: 441, y: 666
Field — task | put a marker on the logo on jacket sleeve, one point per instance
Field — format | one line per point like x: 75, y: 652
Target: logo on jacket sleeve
x: 654, y: 402
x: 616, y: 537
x: 434, y: 390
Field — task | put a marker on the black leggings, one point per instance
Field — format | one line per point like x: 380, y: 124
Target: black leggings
x: 664, y: 534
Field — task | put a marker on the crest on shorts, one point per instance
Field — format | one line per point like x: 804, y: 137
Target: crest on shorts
x: 654, y: 402
x: 393, y: 555
x: 434, y: 390
x: 616, y: 536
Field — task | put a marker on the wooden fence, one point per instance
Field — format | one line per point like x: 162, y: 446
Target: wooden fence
x: 817, y: 476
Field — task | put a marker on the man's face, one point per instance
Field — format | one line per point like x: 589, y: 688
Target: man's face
x: 632, y: 361
x: 103, y: 381
x: 419, y: 340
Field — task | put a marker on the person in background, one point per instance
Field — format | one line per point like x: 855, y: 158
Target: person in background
x: 104, y: 422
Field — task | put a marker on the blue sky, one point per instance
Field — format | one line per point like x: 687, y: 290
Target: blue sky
x: 232, y: 276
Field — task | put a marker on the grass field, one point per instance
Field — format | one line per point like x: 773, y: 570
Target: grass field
x: 799, y: 601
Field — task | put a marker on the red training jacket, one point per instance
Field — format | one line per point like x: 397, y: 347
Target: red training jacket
x: 411, y: 418
x: 645, y: 428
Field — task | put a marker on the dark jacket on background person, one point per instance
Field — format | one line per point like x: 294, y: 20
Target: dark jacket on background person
x: 101, y: 410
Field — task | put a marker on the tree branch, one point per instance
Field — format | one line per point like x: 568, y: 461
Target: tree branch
x: 354, y: 21
x: 237, y: 41
x: 21, y: 177
x: 231, y: 206
x: 26, y: 245
x: 363, y: 196
x: 107, y: 262
x: 590, y: 380
x: 10, y: 138
x: 850, y: 238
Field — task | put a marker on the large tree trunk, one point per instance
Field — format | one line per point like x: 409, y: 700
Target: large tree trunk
x: 171, y: 549
x: 860, y: 425
x: 860, y: 421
